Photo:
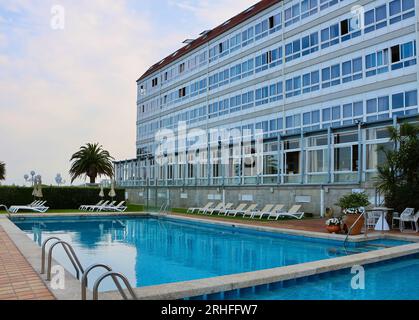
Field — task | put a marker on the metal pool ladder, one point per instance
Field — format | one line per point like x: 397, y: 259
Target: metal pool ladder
x: 351, y: 228
x: 78, y: 267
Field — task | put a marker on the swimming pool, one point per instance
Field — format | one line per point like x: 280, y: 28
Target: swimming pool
x: 395, y: 279
x: 152, y: 251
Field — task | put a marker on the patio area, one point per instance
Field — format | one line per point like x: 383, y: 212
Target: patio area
x: 308, y: 224
x: 18, y: 280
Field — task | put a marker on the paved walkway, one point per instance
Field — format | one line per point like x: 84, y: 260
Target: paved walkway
x: 313, y: 225
x: 18, y: 281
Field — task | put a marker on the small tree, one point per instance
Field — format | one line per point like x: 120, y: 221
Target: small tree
x: 91, y: 161
x: 398, y: 177
x: 2, y: 171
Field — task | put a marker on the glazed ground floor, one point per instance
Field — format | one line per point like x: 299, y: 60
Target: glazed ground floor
x: 313, y: 198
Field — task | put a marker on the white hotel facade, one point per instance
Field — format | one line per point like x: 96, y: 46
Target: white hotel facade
x: 322, y: 79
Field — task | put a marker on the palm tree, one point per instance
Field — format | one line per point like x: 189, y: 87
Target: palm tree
x: 398, y: 177
x: 91, y: 160
x: 2, y: 171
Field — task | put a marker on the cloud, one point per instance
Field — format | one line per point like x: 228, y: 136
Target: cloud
x: 60, y: 89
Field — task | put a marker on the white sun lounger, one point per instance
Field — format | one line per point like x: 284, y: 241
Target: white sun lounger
x: 106, y: 204
x: 87, y: 206
x: 32, y: 204
x: 239, y: 208
x: 120, y: 207
x: 251, y: 208
x: 226, y: 207
x: 217, y: 207
x: 293, y: 212
x: 192, y: 210
x: 39, y: 208
x: 260, y: 213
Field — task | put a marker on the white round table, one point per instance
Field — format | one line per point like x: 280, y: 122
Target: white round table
x: 382, y: 224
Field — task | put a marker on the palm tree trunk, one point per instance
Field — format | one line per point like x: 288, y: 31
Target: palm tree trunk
x: 92, y: 180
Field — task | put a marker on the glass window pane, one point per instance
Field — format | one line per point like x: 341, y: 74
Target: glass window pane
x: 372, y: 106
x: 411, y: 98
x: 383, y: 103
x: 397, y: 101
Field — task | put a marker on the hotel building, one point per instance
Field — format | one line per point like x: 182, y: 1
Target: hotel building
x: 323, y: 79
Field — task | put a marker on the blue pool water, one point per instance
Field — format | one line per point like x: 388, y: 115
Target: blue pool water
x: 151, y: 251
x: 391, y: 280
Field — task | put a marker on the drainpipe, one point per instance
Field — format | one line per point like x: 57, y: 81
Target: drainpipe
x: 322, y: 209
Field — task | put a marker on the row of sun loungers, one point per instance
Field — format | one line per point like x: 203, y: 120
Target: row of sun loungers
x: 105, y: 206
x: 270, y: 211
x: 35, y: 206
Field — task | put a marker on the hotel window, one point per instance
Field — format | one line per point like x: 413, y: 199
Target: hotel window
x: 247, y: 68
x: 213, y: 54
x: 376, y: 63
x: 330, y: 36
x: 311, y: 120
x: 404, y: 103
x: 292, y: 50
x: 310, y: 43
x: 261, y: 30
x: 223, y: 107
x: 235, y: 42
x: 331, y: 76
x: 247, y: 100
x: 235, y: 72
x: 293, y: 87
x: 401, y: 9
x: 276, y: 57
x: 308, y: 8
x: 349, y: 29
x: 223, y: 77
x: 275, y: 92
x: 275, y: 23
x: 154, y: 82
x: 182, y: 68
x: 213, y: 110
x: 403, y: 55
x: 292, y: 15
x: 182, y: 92
x: 375, y: 19
x: 213, y: 81
x: 324, y: 4
x: 292, y: 159
x: 346, y: 152
x: 352, y: 70
x: 235, y: 103
x: 247, y: 36
x: 311, y: 81
x: 262, y: 61
x: 223, y: 48
x: 262, y: 96
x: 293, y: 124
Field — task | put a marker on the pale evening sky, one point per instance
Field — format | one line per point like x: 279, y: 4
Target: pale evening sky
x: 60, y: 89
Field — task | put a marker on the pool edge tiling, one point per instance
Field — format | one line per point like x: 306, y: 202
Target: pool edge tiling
x: 32, y: 253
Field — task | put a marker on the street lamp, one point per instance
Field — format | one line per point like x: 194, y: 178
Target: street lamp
x: 33, y: 178
x: 59, y: 179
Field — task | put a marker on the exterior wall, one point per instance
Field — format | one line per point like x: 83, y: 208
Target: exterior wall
x: 309, y: 197
x: 288, y: 115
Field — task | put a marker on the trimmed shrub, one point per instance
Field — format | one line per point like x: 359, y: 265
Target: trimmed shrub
x: 57, y: 197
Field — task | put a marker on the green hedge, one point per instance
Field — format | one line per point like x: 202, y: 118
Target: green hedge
x: 57, y: 197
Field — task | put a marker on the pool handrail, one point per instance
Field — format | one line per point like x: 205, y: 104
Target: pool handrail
x: 113, y: 274
x: 84, y: 280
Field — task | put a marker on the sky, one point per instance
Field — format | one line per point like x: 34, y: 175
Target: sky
x: 68, y: 71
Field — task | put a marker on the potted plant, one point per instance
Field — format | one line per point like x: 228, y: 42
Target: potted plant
x: 333, y: 225
x: 353, y: 206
